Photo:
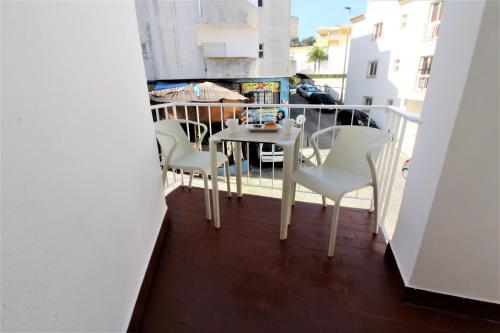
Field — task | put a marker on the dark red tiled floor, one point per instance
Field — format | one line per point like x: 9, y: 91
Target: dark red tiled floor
x: 241, y: 278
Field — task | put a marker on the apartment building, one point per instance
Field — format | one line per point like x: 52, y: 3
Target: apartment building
x: 391, y: 53
x: 331, y: 39
x: 244, y: 42
x: 334, y: 40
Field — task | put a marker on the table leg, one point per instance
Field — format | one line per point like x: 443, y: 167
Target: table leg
x: 215, y: 185
x: 238, y: 169
x: 286, y: 195
x: 228, y: 179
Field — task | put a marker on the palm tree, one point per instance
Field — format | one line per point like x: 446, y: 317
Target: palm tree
x: 317, y: 55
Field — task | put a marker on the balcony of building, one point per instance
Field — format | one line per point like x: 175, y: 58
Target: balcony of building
x: 431, y: 31
x: 326, y: 36
x: 421, y: 82
x: 90, y: 243
x: 241, y: 278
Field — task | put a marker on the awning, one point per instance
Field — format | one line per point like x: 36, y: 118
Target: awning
x: 200, y: 92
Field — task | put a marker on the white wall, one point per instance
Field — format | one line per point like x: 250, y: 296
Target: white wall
x: 81, y: 196
x: 406, y: 44
x: 334, y: 64
x: 447, y: 238
x: 169, y: 32
x: 336, y: 57
x: 294, y: 27
x: 239, y: 42
x: 301, y: 54
x: 274, y: 32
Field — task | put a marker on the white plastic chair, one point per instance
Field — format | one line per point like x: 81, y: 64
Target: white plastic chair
x: 349, y: 166
x: 178, y: 153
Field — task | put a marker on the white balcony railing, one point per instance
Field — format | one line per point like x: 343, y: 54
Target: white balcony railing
x: 431, y: 30
x: 263, y: 164
x: 421, y: 82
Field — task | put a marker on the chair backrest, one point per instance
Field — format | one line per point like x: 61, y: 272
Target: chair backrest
x: 351, y: 146
x: 172, y: 127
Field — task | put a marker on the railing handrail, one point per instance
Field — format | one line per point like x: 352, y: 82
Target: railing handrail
x: 404, y: 114
x: 397, y: 110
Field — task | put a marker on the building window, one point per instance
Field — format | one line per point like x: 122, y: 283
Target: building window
x: 425, y: 65
x: 260, y: 3
x: 424, y: 71
x: 377, y: 30
x: 402, y: 23
x: 432, y: 27
x: 390, y: 102
x: 261, y: 50
x: 395, y: 66
x: 435, y: 11
x: 372, y: 69
x: 145, y: 51
x: 367, y: 100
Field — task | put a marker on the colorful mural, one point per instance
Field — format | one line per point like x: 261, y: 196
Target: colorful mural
x: 247, y: 87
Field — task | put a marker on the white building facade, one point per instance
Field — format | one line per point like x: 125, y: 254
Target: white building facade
x: 391, y: 53
x: 333, y: 41
x: 239, y: 40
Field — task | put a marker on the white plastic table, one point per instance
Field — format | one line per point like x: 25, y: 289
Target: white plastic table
x: 290, y: 143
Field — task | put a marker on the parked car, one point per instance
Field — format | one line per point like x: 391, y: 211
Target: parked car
x: 406, y: 166
x: 322, y: 98
x: 265, y: 151
x: 305, y: 90
x: 345, y: 117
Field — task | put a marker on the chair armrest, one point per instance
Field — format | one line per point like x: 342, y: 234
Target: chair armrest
x: 314, y: 141
x: 168, y: 155
x: 203, y: 132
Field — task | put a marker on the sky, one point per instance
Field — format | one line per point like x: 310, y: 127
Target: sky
x: 324, y: 13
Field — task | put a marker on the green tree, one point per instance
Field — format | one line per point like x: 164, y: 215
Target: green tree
x: 295, y: 41
x: 309, y: 41
x: 317, y: 55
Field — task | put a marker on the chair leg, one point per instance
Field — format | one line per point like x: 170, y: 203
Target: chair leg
x: 323, y: 200
x: 182, y: 177
x: 375, y: 209
x: 226, y: 168
x: 207, y: 197
x: 294, y: 190
x: 333, y: 228
x: 191, y: 179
